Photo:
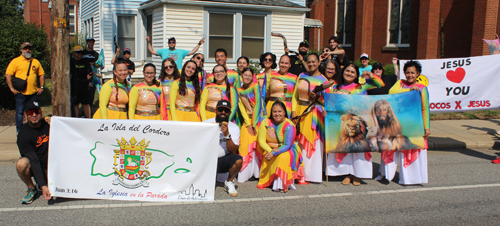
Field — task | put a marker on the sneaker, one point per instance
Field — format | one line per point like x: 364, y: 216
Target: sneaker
x: 229, y: 187
x: 497, y: 133
x: 31, y: 195
x: 496, y: 161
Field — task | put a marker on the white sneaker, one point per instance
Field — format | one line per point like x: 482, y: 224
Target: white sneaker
x: 229, y: 187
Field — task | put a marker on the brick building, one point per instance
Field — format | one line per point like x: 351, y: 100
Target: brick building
x: 407, y: 29
x: 37, y: 11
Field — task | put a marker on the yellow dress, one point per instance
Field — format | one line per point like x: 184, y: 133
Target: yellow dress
x: 111, y: 107
x: 211, y: 95
x: 185, y: 107
x: 249, y: 106
x: 286, y: 160
x: 144, y: 102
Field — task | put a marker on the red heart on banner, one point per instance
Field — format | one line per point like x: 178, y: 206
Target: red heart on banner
x: 456, y: 76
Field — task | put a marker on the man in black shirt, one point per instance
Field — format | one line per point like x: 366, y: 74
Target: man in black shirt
x: 33, y: 144
x: 298, y: 64
x: 338, y: 54
x: 91, y: 56
x: 126, y: 59
x: 81, y: 76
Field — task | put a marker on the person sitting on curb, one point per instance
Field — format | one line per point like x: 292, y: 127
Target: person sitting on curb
x: 229, y: 159
x: 33, y: 144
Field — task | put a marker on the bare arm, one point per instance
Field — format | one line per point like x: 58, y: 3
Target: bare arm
x: 8, y: 78
x: 195, y: 49
x: 396, y: 68
x: 232, y: 148
x: 42, y: 84
x: 150, y: 47
x: 115, y: 57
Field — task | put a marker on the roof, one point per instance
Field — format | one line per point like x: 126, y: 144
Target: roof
x: 267, y: 4
x: 283, y: 3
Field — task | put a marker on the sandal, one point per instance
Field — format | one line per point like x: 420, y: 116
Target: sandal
x: 347, y: 180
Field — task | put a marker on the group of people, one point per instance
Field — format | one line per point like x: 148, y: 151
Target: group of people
x: 272, y: 123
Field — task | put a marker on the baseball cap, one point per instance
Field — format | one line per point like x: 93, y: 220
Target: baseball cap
x: 30, y: 105
x: 77, y: 49
x: 126, y: 50
x: 377, y: 64
x: 171, y: 38
x: 90, y: 39
x: 26, y: 44
x: 364, y: 55
x: 223, y: 103
x: 303, y: 44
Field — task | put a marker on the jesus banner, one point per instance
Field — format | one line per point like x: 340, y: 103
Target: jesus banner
x: 461, y: 84
x: 364, y: 123
x: 132, y: 159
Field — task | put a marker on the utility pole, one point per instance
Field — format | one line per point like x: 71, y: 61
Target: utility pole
x: 59, y: 55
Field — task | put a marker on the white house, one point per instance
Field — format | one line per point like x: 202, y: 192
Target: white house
x: 242, y: 27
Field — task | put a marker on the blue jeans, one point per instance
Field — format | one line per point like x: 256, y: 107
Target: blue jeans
x: 21, y: 100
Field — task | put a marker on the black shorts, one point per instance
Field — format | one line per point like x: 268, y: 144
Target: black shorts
x: 225, y: 162
x: 82, y: 97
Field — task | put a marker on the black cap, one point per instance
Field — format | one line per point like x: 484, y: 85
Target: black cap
x: 172, y: 38
x: 377, y: 64
x: 30, y: 105
x: 90, y: 39
x: 303, y: 44
x: 224, y: 103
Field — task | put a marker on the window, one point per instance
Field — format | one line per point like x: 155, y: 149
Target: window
x: 252, y: 40
x: 345, y: 10
x: 239, y: 34
x: 400, y: 22
x: 149, y: 31
x: 72, y: 19
x: 221, y: 33
x: 126, y: 33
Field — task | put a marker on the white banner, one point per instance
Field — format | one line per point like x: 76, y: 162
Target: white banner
x: 462, y: 84
x: 132, y: 159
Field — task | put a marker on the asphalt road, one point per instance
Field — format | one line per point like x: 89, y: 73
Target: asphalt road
x: 463, y: 189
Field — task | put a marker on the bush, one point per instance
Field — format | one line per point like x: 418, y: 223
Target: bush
x: 13, y: 33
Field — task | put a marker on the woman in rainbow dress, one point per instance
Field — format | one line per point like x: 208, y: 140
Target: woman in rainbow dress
x: 282, y: 155
x: 185, y: 95
x: 113, y: 98
x: 144, y: 98
x: 219, y: 89
x: 250, y: 108
x: 311, y: 136
x: 281, y: 85
x: 169, y: 73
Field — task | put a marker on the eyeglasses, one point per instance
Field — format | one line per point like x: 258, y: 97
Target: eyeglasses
x: 171, y: 42
x: 168, y: 67
x: 149, y: 73
x: 377, y: 68
x: 33, y: 111
x: 223, y: 110
x: 219, y: 72
x: 268, y: 59
x: 199, y: 58
x: 330, y: 69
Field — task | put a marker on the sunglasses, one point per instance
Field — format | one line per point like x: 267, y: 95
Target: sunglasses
x: 171, y: 42
x: 268, y: 59
x: 199, y: 58
x: 33, y: 111
x: 223, y: 110
x: 168, y: 67
x: 326, y: 50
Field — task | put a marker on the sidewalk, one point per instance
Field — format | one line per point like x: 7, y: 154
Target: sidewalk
x: 445, y: 134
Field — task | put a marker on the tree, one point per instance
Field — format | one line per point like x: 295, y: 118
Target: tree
x: 15, y: 31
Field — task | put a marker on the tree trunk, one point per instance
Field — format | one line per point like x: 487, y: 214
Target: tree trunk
x: 60, y: 56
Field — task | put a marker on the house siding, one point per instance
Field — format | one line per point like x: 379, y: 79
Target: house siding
x: 291, y: 25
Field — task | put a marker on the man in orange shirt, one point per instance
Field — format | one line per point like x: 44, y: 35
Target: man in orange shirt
x: 28, y: 69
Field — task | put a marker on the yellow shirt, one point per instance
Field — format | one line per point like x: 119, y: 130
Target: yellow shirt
x: 18, y: 68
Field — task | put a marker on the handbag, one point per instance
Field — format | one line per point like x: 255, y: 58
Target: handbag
x: 21, y: 84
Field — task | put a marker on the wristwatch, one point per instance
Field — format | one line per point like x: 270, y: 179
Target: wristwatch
x: 228, y: 137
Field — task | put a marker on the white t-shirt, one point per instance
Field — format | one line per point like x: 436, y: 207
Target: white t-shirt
x: 234, y: 130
